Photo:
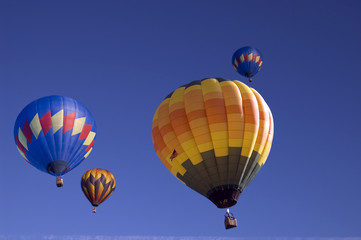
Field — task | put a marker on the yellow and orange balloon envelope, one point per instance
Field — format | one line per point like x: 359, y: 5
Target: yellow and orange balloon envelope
x: 97, y: 185
x: 214, y: 135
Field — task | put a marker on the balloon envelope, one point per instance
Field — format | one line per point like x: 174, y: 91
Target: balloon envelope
x: 55, y: 134
x: 97, y: 185
x: 247, y: 61
x: 214, y: 135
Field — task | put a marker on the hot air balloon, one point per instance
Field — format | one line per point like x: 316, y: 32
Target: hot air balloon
x: 55, y: 134
x: 247, y: 61
x: 214, y: 135
x: 97, y: 185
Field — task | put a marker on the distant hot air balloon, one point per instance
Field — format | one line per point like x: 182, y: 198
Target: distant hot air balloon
x: 247, y: 61
x: 55, y: 134
x: 97, y: 185
x: 214, y: 135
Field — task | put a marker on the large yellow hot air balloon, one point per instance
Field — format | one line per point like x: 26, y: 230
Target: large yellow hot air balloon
x: 214, y: 135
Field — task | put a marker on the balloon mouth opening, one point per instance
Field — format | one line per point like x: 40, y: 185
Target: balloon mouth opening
x: 57, y: 167
x: 95, y: 204
x: 249, y: 74
x: 224, y: 196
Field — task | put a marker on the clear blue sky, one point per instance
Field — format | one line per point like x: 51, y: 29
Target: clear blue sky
x: 121, y: 58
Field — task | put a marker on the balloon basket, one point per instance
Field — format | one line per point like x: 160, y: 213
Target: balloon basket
x: 59, y: 182
x: 94, y: 210
x: 230, y: 222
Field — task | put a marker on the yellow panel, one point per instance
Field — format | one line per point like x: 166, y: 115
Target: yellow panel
x: 106, y: 194
x: 100, y: 190
x: 181, y: 170
x: 35, y: 126
x: 188, y: 144
x: 258, y: 147
x: 89, y: 138
x: 244, y: 89
x: 92, y: 191
x: 97, y: 174
x: 221, y: 143
x: 78, y: 125
x: 242, y: 58
x: 174, y: 172
x: 235, y: 142
x: 246, y: 152
x: 196, y: 159
x: 251, y: 136
x: 181, y: 158
x: 221, y: 152
x: 265, y: 154
x: 204, y: 147
x: 192, y: 151
x: 57, y: 120
x: 200, y: 131
x: 192, y: 88
x: 22, y: 139
x: 210, y: 85
x: 248, y: 142
x: 219, y: 136
x: 177, y: 96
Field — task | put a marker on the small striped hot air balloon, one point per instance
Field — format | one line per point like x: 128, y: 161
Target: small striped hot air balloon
x: 55, y: 134
x: 214, y: 135
x: 247, y: 61
x: 97, y: 185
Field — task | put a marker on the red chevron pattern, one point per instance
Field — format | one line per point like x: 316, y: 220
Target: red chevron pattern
x: 68, y: 122
x: 85, y: 132
x: 20, y: 146
x: 27, y: 131
x: 46, y: 123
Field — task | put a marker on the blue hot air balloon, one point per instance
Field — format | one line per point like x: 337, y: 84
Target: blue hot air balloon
x: 247, y: 61
x: 55, y: 134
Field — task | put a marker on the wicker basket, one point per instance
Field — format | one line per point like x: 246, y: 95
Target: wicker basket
x: 230, y: 222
